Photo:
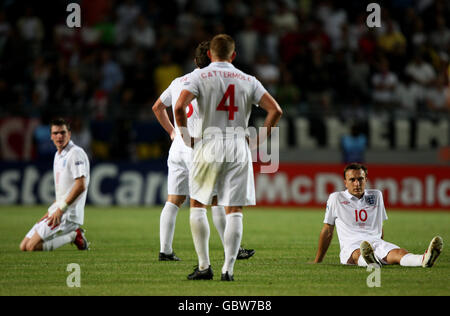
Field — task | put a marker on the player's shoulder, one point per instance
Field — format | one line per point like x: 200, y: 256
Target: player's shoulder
x: 77, y: 151
x: 334, y: 196
x: 185, y: 79
x: 374, y: 192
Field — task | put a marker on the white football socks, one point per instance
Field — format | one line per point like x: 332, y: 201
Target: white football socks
x: 219, y: 220
x: 59, y: 241
x: 167, y: 227
x: 411, y: 260
x: 362, y: 262
x: 200, y: 234
x: 232, y: 240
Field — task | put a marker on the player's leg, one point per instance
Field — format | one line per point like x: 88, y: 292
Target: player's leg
x: 200, y: 234
x: 45, y: 238
x: 34, y: 243
x: 23, y: 244
x: 395, y: 256
x: 232, y: 240
x: 425, y: 260
x: 362, y: 256
x: 354, y: 257
x: 367, y: 254
x: 177, y: 189
x: 26, y: 240
x: 167, y: 226
x: 219, y: 217
x: 220, y: 220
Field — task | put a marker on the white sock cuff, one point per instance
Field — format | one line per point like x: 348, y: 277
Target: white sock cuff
x: 362, y: 262
x: 171, y: 204
x: 235, y: 215
x: 197, y: 211
x: 218, y: 208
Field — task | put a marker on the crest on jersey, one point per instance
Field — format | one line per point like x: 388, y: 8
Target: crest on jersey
x: 370, y: 199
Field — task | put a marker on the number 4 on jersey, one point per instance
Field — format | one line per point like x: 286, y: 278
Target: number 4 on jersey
x: 230, y: 108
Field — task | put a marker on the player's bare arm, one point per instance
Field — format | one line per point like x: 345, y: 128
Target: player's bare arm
x: 326, y: 235
x: 183, y: 101
x: 79, y: 187
x: 274, y: 112
x: 163, y: 118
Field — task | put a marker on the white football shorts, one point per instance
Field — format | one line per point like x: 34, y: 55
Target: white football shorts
x: 47, y: 233
x: 380, y: 247
x: 222, y: 167
x: 178, y: 164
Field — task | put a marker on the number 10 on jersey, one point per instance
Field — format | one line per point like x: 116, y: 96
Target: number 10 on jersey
x: 361, y: 215
x: 228, y: 97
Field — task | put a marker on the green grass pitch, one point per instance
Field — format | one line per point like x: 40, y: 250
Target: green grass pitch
x: 125, y: 246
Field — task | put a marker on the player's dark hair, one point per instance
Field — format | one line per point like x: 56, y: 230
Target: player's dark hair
x: 222, y: 46
x: 355, y: 166
x: 201, y: 54
x: 59, y: 122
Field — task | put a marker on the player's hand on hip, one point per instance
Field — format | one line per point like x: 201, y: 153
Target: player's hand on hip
x: 43, y: 217
x: 55, y: 219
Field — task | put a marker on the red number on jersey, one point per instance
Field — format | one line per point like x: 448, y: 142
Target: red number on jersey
x: 190, y: 110
x: 362, y: 215
x: 230, y: 108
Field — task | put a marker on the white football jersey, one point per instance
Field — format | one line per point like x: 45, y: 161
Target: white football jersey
x: 169, y: 98
x: 225, y: 95
x: 356, y: 219
x: 70, y: 164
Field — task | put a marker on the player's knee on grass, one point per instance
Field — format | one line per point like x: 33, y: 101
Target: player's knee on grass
x: 23, y: 244
x: 34, y: 243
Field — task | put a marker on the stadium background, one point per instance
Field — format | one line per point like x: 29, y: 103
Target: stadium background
x: 340, y: 83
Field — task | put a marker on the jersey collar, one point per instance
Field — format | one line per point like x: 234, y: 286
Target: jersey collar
x: 66, y: 149
x: 352, y: 197
x: 222, y: 64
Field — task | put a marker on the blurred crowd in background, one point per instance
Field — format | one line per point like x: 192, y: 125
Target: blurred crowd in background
x: 316, y: 57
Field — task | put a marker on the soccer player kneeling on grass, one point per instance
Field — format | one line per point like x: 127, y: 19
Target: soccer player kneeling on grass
x: 61, y: 224
x: 358, y: 215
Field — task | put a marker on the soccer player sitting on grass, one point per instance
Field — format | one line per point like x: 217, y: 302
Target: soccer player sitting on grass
x: 358, y: 215
x: 61, y: 224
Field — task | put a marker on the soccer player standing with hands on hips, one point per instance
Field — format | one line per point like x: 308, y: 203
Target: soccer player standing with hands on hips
x: 358, y: 215
x: 221, y: 158
x: 179, y: 163
x: 61, y: 224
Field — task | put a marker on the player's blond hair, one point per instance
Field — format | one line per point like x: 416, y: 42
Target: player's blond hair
x: 222, y: 46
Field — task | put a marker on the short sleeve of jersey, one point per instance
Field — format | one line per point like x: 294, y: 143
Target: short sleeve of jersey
x: 259, y: 91
x: 166, y: 97
x: 381, y: 206
x: 330, y: 215
x: 78, y: 164
x: 192, y: 83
